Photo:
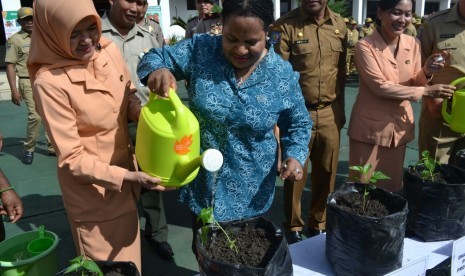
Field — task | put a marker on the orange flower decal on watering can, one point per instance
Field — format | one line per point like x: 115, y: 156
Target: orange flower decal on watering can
x: 182, y: 147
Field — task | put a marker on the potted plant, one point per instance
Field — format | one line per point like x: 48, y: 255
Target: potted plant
x: 436, y: 198
x: 365, y: 227
x: 246, y: 247
x: 80, y: 266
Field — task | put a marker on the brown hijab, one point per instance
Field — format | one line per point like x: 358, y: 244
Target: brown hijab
x: 54, y: 21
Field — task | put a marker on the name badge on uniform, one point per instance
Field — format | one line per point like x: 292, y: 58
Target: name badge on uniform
x: 275, y: 36
x: 301, y: 41
x: 447, y: 36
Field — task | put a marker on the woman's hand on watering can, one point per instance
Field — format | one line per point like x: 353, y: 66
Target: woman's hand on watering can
x: 439, y: 91
x: 291, y: 169
x: 160, y: 81
x: 146, y: 181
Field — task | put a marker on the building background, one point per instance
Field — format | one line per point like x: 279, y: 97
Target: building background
x: 185, y: 9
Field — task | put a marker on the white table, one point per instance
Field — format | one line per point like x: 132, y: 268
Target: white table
x: 308, y: 256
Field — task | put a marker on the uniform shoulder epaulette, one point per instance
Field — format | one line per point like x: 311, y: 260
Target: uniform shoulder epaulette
x: 432, y: 16
x: 212, y: 15
x: 337, y: 15
x: 288, y: 15
x: 193, y: 18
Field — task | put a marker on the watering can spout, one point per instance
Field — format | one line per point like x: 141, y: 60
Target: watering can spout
x: 211, y: 160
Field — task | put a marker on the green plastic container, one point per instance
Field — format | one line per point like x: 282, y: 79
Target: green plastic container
x: 15, y: 260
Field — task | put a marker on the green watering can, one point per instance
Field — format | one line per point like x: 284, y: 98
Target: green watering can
x: 168, y: 142
x: 453, y: 111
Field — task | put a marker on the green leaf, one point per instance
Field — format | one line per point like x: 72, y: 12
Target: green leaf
x: 366, y: 168
x: 73, y: 267
x: 377, y: 175
x: 206, y: 215
x: 205, y: 230
x: 92, y: 266
x: 78, y: 259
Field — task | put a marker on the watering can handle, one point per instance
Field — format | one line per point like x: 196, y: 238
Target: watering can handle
x: 181, y: 121
x: 458, y: 81
x: 446, y: 115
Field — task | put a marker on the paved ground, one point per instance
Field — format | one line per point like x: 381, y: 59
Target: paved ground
x: 37, y: 184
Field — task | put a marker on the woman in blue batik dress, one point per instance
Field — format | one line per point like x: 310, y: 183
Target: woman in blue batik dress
x: 239, y: 89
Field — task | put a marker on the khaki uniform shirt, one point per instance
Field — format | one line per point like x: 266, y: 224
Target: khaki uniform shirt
x: 17, y: 52
x: 411, y: 30
x: 365, y: 31
x: 445, y: 30
x: 137, y: 42
x: 191, y: 26
x: 154, y: 27
x: 352, y: 37
x: 317, y: 51
x: 213, y: 25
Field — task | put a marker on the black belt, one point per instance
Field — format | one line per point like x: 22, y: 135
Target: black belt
x: 23, y: 78
x: 318, y: 105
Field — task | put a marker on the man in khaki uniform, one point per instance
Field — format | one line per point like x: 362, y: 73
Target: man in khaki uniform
x: 314, y: 40
x: 17, y: 52
x: 133, y: 41
x: 151, y: 25
x: 204, y: 7
x: 211, y: 24
x: 367, y: 28
x: 411, y: 29
x: 444, y: 30
x: 352, y: 39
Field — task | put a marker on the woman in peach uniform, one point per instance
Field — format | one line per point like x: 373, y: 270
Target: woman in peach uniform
x: 390, y: 73
x: 84, y: 94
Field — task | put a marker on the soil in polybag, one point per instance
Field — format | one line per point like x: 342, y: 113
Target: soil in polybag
x: 365, y: 245
x: 261, y: 250
x: 437, y: 209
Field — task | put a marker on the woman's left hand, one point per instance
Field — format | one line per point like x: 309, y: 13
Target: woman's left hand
x: 436, y: 62
x: 291, y: 170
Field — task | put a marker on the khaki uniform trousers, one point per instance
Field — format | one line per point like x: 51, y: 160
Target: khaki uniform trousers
x: 436, y: 137
x: 324, y: 154
x: 350, y: 68
x: 114, y: 240
x: 33, y: 119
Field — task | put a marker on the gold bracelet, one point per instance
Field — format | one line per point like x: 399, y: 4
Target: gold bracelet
x: 6, y: 189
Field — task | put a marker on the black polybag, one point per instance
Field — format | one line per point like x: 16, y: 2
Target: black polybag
x: 361, y: 245
x: 442, y: 269
x: 280, y: 263
x: 437, y: 210
x: 111, y: 268
x: 460, y: 159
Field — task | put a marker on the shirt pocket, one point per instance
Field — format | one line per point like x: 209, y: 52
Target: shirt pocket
x: 336, y: 51
x: 452, y: 45
x: 302, y: 57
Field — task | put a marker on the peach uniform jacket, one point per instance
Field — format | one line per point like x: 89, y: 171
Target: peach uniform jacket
x: 85, y: 111
x: 382, y: 114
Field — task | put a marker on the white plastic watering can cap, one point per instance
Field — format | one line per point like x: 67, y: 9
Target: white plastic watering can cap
x: 212, y: 160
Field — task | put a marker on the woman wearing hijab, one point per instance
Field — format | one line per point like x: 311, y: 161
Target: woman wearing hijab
x: 84, y: 94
